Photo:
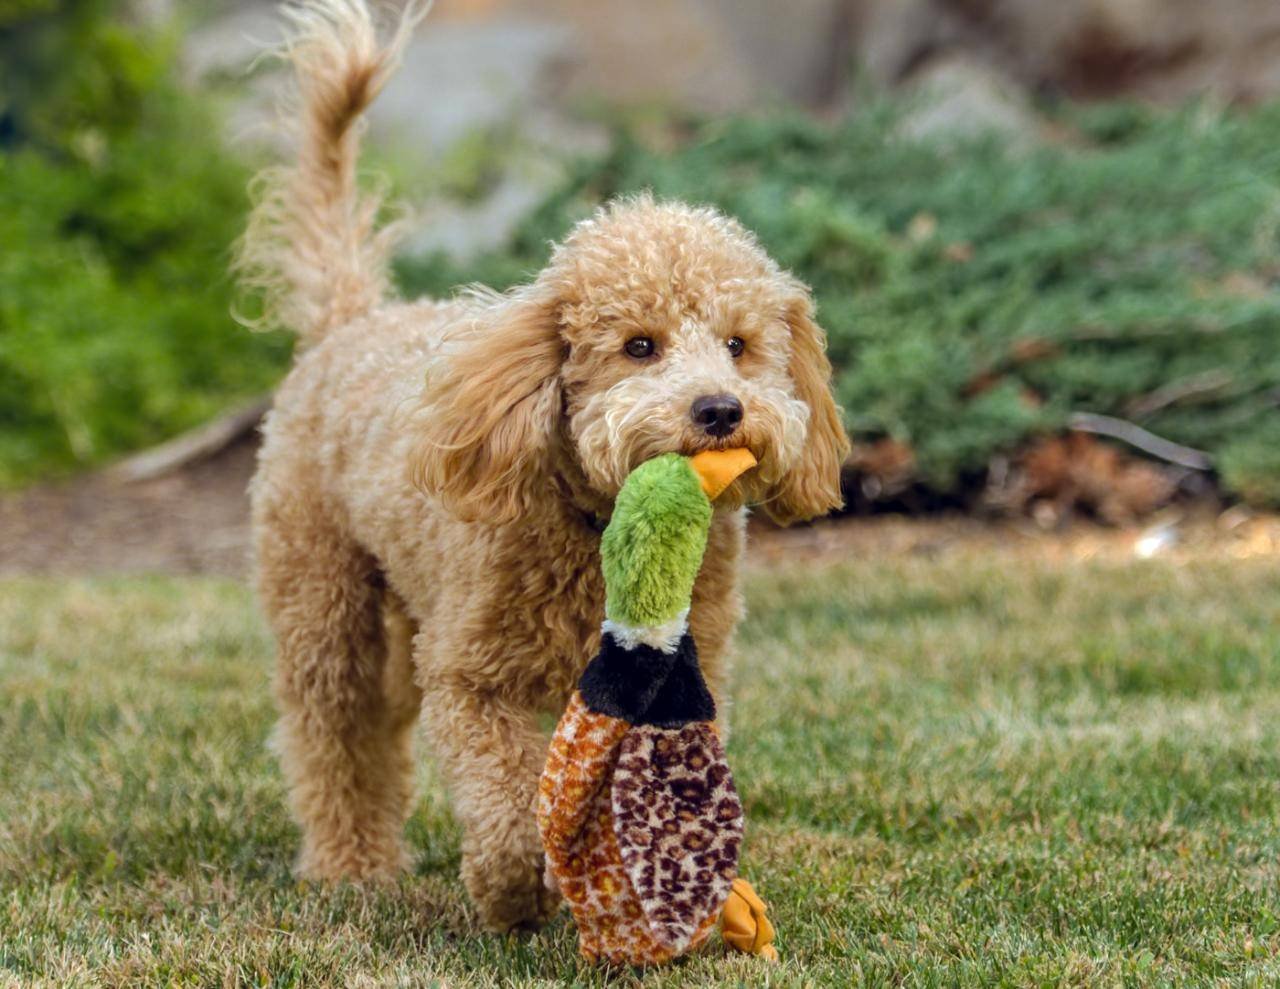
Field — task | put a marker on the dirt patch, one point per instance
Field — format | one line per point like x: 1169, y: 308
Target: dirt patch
x: 196, y: 520
x: 1183, y: 535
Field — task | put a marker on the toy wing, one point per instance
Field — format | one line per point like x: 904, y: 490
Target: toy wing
x: 678, y: 824
x: 636, y: 806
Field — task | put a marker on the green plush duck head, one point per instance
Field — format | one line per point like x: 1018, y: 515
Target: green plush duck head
x: 653, y: 546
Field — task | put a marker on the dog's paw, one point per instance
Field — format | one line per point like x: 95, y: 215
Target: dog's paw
x: 509, y: 891
x: 347, y: 860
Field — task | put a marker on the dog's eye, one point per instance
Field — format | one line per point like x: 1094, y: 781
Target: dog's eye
x: 736, y: 346
x: 639, y: 347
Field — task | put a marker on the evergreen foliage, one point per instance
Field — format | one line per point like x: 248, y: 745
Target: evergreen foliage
x: 118, y: 205
x: 975, y: 296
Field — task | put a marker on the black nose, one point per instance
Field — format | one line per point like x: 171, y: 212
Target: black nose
x: 718, y: 415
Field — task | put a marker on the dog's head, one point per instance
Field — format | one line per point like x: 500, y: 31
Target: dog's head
x: 655, y: 328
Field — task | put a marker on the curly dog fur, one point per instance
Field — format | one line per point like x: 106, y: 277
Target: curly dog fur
x: 434, y: 474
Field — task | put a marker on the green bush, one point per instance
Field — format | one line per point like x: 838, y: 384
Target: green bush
x: 118, y: 206
x: 976, y: 297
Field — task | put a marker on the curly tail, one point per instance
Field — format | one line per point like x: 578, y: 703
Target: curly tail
x: 312, y: 246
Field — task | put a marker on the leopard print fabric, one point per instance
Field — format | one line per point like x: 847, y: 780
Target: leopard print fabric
x: 679, y: 826
x: 641, y: 827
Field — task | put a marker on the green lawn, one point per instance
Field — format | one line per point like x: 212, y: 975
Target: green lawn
x: 971, y: 769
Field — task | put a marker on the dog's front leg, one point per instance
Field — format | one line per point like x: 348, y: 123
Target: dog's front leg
x: 492, y: 752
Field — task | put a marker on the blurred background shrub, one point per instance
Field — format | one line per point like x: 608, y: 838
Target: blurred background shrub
x: 976, y: 295
x: 118, y: 205
x: 979, y: 289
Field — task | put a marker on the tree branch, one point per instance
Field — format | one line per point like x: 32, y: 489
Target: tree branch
x: 1136, y: 436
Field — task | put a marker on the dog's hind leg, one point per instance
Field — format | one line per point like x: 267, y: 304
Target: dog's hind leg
x: 344, y: 738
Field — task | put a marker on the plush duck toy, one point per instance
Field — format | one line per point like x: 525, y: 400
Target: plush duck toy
x: 637, y: 808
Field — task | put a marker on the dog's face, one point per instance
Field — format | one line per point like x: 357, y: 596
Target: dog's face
x: 656, y: 328
x: 678, y: 340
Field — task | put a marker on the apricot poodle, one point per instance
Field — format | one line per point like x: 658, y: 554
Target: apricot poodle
x: 435, y: 475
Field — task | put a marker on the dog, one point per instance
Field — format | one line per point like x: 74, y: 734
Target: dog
x: 435, y: 475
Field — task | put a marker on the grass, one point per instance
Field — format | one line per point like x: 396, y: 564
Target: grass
x: 963, y: 770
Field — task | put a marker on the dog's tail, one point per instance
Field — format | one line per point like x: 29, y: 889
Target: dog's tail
x: 312, y: 247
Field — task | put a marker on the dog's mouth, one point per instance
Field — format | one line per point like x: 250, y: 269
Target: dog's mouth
x: 747, y: 488
x: 751, y: 487
x: 734, y: 441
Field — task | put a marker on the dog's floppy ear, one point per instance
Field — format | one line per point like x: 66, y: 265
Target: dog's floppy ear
x: 812, y: 486
x: 490, y: 412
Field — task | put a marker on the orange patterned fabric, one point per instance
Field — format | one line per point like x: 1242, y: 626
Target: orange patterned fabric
x: 577, y: 821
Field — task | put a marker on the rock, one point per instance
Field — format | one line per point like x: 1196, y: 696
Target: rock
x: 463, y: 230
x: 711, y: 55
x: 458, y: 78
x: 893, y: 36
x: 961, y: 97
x: 1167, y: 50
x: 733, y: 55
x: 228, y: 44
x: 461, y: 77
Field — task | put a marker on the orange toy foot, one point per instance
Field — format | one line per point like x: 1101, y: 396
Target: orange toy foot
x: 744, y: 925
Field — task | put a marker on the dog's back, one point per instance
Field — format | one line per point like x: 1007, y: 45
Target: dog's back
x: 315, y: 256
